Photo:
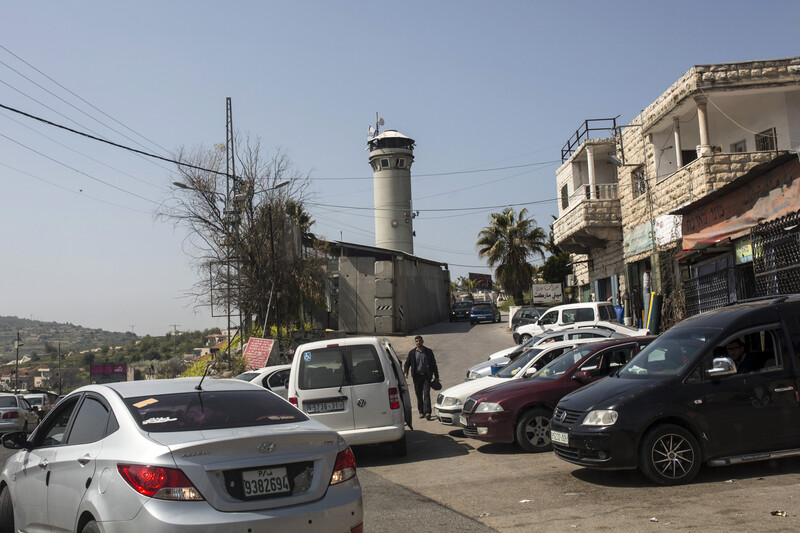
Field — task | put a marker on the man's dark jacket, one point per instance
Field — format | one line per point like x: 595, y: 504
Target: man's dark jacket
x: 411, y: 363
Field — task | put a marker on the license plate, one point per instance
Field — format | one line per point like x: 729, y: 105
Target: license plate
x: 560, y: 437
x: 324, y: 407
x: 265, y: 481
x: 462, y: 420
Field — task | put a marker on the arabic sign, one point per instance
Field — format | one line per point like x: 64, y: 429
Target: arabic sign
x: 257, y: 351
x: 638, y: 239
x: 482, y: 281
x: 547, y: 293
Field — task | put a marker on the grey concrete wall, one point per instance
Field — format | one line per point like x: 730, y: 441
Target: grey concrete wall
x: 357, y: 294
x: 421, y: 295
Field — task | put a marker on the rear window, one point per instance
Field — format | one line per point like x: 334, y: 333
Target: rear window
x: 463, y: 305
x: 201, y: 410
x: 338, y: 366
x: 248, y: 376
x: 8, y: 401
x: 482, y: 306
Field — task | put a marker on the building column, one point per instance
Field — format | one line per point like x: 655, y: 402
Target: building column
x: 704, y: 148
x: 676, y: 129
x: 590, y: 164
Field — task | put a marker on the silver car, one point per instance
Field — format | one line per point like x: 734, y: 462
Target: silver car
x: 179, y: 455
x: 16, y: 414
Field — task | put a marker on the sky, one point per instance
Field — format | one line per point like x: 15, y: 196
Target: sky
x: 490, y: 92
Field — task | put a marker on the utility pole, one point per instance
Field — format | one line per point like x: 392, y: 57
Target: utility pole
x: 16, y: 371
x: 175, y: 338
x: 231, y: 215
x: 59, y: 369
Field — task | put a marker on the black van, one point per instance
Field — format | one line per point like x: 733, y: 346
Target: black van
x: 719, y: 388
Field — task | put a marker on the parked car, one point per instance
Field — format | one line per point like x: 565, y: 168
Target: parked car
x: 484, y: 312
x: 524, y: 315
x: 460, y: 310
x: 186, y: 454
x: 588, y: 314
x: 274, y: 378
x: 355, y: 386
x: 687, y: 399
x: 16, y: 414
x: 41, y: 401
x: 520, y: 411
x: 450, y: 402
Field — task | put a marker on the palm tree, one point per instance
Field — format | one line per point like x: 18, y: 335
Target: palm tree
x: 507, y: 243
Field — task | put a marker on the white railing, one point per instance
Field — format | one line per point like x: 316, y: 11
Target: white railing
x: 609, y: 191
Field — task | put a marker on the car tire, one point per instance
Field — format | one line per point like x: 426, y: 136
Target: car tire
x: 532, y: 431
x: 399, y: 448
x: 669, y: 455
x: 6, y: 512
x: 91, y: 527
x: 524, y: 338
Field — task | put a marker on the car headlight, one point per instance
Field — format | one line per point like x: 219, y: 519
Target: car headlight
x: 601, y: 417
x: 488, y: 407
x: 449, y: 401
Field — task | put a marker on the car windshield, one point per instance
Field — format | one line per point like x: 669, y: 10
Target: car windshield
x: 8, y: 401
x: 35, y: 400
x: 512, y: 368
x: 558, y: 366
x: 463, y: 305
x: 669, y: 354
x: 247, y: 376
x: 202, y: 410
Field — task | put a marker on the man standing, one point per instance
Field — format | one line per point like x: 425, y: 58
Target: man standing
x: 423, y: 368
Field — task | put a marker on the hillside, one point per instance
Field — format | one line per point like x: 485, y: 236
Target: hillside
x: 40, y: 337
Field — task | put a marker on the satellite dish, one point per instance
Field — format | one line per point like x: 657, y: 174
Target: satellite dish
x: 380, y: 122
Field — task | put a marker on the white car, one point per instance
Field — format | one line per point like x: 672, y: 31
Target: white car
x: 588, y: 315
x: 179, y: 455
x: 274, y: 378
x: 16, y: 414
x: 450, y: 402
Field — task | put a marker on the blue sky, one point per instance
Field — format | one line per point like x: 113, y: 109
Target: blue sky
x: 478, y: 85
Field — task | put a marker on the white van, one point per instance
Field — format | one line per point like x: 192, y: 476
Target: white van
x: 355, y: 386
x: 586, y: 314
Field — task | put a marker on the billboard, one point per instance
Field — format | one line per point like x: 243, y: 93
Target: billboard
x: 547, y: 293
x: 482, y: 281
x: 257, y: 351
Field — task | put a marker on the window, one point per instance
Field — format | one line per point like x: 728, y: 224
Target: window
x: 384, y: 163
x: 551, y: 317
x: 739, y: 147
x: 607, y: 313
x: 53, y: 433
x: 401, y: 163
x: 564, y: 197
x: 277, y: 380
x: 90, y: 422
x: 638, y: 183
x: 338, y: 366
x: 765, y: 141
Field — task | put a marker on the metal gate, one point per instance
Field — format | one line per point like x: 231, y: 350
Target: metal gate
x: 776, y: 255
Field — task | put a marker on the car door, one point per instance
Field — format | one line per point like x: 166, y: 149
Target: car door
x: 369, y: 371
x: 32, y: 478
x: 28, y: 412
x: 397, y: 370
x: 276, y: 382
x: 72, y: 471
x: 752, y: 411
x: 323, y: 386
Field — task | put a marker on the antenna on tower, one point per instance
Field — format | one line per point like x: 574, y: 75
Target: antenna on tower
x: 378, y: 123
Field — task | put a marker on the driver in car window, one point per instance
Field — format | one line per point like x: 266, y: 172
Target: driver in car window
x: 736, y: 351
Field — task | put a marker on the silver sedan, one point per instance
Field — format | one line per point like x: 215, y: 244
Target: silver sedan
x: 179, y: 455
x: 16, y: 414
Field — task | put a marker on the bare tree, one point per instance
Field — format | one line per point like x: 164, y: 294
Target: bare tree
x: 244, y: 236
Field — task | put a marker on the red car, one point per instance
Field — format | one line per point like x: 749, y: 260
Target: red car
x: 520, y: 411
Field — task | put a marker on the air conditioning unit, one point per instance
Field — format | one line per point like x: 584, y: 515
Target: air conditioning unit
x: 570, y: 280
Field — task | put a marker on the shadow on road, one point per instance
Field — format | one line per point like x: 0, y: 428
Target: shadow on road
x: 632, y: 478
x: 422, y: 446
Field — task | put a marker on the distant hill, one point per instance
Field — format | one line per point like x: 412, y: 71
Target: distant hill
x: 40, y: 337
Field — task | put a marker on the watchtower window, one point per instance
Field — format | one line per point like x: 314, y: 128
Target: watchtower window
x: 384, y: 163
x: 401, y: 163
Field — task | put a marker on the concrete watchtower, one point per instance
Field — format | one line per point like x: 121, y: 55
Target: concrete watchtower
x: 391, y: 154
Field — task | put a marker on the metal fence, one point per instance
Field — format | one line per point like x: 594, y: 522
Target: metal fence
x: 776, y: 255
x: 707, y: 292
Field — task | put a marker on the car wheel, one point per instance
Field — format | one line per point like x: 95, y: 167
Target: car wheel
x: 524, y: 338
x: 670, y: 455
x: 399, y: 447
x: 6, y: 512
x: 90, y: 527
x: 532, y: 431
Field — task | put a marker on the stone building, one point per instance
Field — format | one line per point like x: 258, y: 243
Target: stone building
x: 622, y: 190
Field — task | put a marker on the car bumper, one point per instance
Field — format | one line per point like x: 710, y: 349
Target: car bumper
x: 613, y: 448
x: 483, y: 318
x: 447, y: 415
x: 490, y: 427
x: 379, y: 435
x: 341, y: 509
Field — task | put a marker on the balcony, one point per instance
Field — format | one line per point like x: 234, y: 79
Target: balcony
x: 587, y: 222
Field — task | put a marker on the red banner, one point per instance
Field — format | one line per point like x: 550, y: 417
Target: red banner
x: 257, y: 351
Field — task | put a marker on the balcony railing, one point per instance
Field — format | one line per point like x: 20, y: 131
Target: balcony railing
x: 608, y: 191
x: 584, y: 132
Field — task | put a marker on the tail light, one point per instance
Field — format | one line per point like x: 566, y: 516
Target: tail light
x: 293, y: 401
x: 159, y: 482
x: 394, y: 398
x: 345, y: 467
x: 10, y: 414
x: 358, y: 529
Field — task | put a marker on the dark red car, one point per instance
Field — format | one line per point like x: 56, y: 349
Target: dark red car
x: 520, y: 411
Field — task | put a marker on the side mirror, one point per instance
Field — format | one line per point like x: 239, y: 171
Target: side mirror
x: 722, y: 366
x: 16, y: 440
x: 582, y: 376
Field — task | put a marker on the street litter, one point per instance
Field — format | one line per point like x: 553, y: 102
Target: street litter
x: 524, y: 501
x: 779, y: 513
x: 654, y: 519
x: 482, y: 515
